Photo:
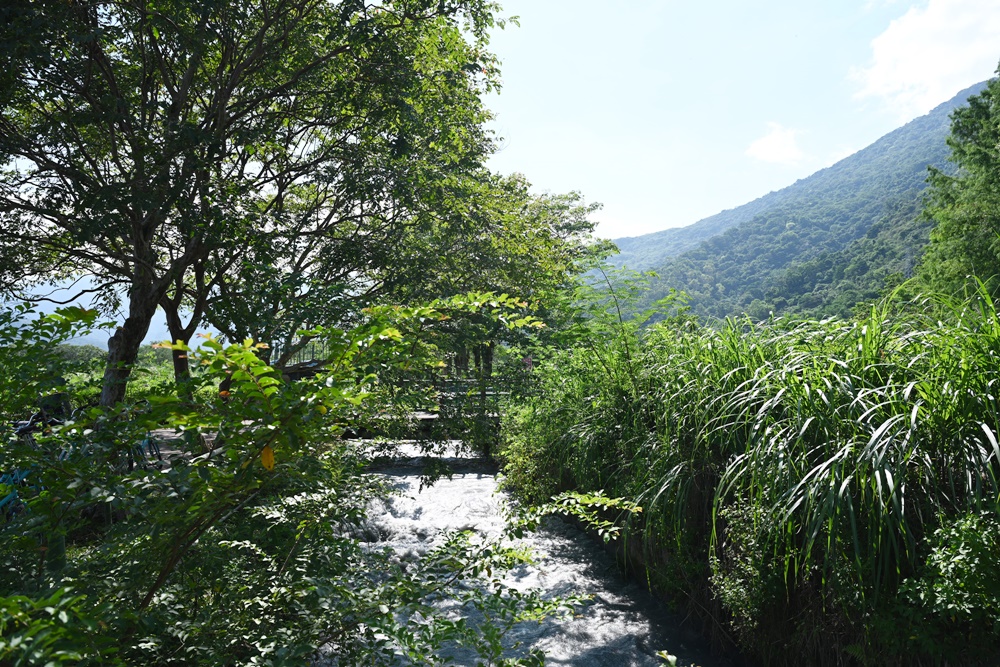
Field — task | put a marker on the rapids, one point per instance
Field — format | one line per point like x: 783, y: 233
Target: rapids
x: 622, y: 625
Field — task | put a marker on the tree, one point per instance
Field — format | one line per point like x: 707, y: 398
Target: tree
x: 530, y: 246
x: 966, y: 207
x: 483, y: 233
x: 159, y: 145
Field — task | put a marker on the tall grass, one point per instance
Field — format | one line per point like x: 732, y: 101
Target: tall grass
x: 798, y: 478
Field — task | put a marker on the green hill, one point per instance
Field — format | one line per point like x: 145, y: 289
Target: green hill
x: 644, y: 252
x: 817, y: 247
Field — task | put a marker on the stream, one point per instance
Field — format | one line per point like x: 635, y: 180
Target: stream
x: 622, y: 624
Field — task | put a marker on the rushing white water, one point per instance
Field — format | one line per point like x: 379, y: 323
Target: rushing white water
x: 622, y: 625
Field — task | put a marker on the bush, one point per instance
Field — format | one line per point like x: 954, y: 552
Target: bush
x: 952, y: 610
x: 30, y: 359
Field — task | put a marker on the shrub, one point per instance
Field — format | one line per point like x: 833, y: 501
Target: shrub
x: 952, y: 609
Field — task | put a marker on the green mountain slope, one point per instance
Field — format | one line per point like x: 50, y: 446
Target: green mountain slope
x: 823, y: 244
x: 644, y: 252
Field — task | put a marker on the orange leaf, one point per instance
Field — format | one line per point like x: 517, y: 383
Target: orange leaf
x: 267, y: 457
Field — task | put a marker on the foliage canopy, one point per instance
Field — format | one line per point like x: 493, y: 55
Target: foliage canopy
x: 965, y: 243
x: 160, y: 146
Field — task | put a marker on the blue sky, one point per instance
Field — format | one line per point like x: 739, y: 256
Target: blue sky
x: 669, y: 111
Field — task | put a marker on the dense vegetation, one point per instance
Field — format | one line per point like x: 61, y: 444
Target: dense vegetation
x: 819, y: 493
x: 301, y: 176
x: 302, y: 173
x: 965, y: 206
x: 840, y: 237
x: 835, y: 283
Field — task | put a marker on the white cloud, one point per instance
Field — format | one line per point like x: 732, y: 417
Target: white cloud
x: 930, y: 53
x: 778, y: 146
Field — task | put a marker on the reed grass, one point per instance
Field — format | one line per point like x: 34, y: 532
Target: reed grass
x: 793, y: 473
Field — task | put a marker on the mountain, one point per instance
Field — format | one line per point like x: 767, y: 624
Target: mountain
x: 642, y: 253
x: 817, y: 247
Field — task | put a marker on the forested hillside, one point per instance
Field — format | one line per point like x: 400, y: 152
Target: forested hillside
x: 644, y: 252
x: 822, y: 245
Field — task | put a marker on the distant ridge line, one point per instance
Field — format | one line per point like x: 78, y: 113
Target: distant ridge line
x: 648, y: 251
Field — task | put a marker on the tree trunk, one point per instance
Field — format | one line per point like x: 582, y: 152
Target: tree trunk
x: 462, y: 359
x: 182, y: 366
x: 179, y: 332
x: 484, y: 368
x: 123, y: 346
x: 488, y: 360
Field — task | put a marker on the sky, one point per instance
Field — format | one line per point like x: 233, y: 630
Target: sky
x: 668, y: 111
